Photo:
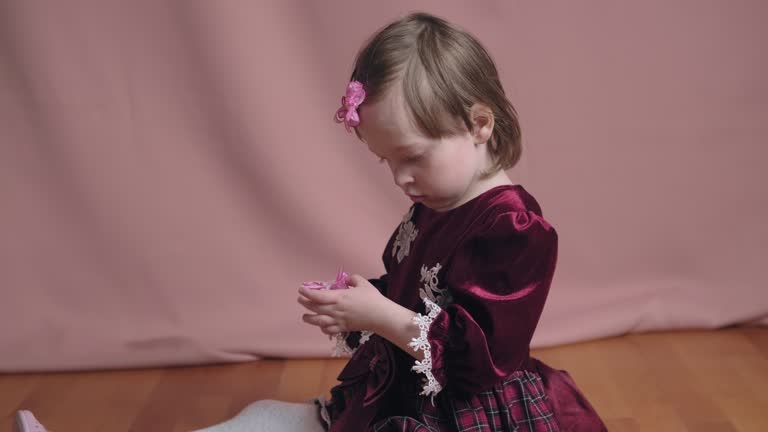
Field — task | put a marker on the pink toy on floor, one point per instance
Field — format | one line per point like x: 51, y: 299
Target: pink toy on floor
x: 26, y: 422
x: 339, y: 283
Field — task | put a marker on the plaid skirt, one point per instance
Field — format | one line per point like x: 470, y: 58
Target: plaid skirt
x: 517, y: 404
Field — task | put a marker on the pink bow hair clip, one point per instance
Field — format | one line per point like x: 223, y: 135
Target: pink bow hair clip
x: 347, y: 114
x: 339, y: 283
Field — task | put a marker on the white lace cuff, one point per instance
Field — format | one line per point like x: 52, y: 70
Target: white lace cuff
x: 342, y: 348
x: 431, y: 387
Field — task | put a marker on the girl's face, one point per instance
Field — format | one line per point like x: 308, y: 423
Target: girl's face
x: 441, y: 173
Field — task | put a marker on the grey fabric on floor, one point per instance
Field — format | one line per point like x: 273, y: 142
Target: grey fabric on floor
x: 273, y: 416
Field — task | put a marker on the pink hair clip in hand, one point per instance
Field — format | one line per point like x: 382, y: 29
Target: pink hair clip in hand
x: 347, y: 114
x: 339, y: 283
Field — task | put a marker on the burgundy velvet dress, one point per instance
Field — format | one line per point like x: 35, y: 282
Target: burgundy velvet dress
x: 478, y: 276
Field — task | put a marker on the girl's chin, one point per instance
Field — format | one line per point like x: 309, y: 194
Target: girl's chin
x: 437, y: 206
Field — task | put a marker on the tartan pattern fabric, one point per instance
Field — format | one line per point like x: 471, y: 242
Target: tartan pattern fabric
x: 518, y: 404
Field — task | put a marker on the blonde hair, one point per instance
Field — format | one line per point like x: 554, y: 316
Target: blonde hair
x: 443, y: 70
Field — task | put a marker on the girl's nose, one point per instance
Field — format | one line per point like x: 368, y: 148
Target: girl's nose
x: 402, y: 178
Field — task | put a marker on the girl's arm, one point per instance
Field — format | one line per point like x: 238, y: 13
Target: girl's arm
x: 398, y: 327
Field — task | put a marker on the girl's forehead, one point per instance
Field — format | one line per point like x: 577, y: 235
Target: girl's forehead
x: 381, y: 115
x: 386, y: 118
x: 387, y: 138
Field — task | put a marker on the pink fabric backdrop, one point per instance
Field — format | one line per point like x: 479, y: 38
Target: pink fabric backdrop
x: 169, y: 171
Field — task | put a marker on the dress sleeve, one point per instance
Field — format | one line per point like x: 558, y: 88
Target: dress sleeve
x: 498, y: 282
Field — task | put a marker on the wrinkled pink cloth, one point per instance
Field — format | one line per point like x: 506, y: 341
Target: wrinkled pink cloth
x: 339, y: 283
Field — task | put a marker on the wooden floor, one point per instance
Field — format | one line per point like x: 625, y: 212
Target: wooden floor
x: 709, y: 381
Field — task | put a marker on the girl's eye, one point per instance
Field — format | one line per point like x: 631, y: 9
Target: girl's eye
x: 414, y: 158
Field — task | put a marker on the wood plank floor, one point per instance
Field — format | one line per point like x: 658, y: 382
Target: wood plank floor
x: 702, y: 381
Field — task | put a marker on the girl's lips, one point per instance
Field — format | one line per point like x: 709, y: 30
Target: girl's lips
x: 416, y: 198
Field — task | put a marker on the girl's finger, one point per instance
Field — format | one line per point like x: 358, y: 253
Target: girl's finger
x: 319, y: 309
x: 303, y: 300
x: 318, y: 296
x: 318, y: 320
x: 307, y: 303
x: 354, y: 280
x: 331, y: 329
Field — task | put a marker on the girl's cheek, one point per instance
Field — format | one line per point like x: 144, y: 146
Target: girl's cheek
x: 422, y: 178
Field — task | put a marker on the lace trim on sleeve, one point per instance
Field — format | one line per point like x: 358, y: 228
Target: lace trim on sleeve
x: 431, y: 387
x: 342, y: 348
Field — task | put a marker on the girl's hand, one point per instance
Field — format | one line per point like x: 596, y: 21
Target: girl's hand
x: 361, y: 307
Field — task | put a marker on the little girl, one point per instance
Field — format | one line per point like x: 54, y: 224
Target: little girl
x: 441, y: 341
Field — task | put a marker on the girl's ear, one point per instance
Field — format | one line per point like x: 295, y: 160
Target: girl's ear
x: 482, y: 123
